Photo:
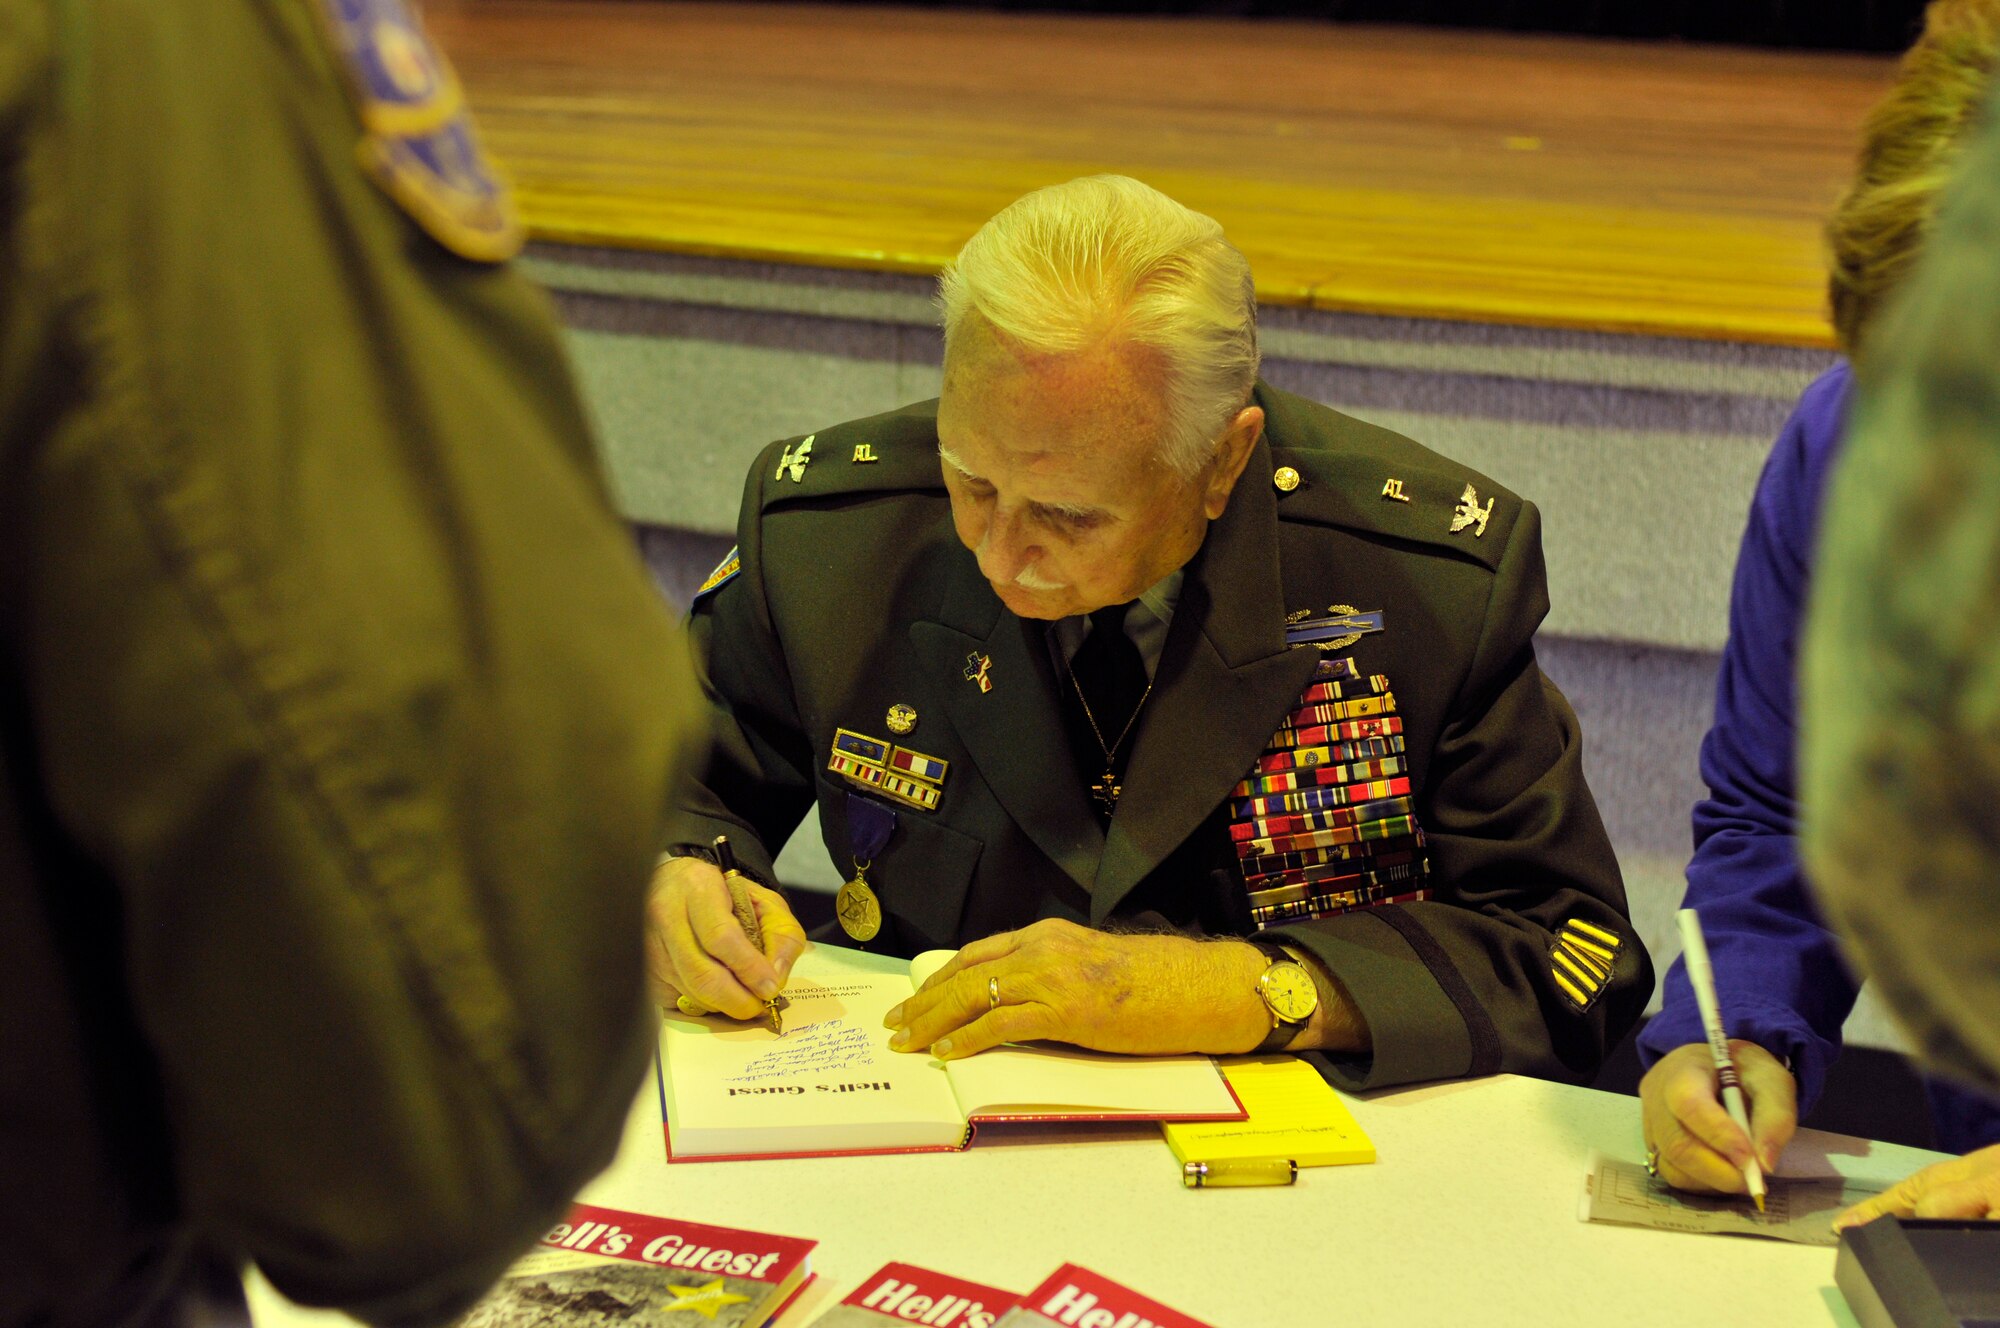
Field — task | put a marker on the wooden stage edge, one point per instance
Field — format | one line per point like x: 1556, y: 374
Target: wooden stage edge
x: 1657, y: 189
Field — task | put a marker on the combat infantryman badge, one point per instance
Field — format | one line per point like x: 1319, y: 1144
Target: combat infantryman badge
x: 795, y: 460
x: 1346, y: 626
x: 1469, y: 512
x: 976, y: 665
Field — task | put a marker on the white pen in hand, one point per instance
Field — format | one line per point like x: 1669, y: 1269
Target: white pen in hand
x: 1694, y: 953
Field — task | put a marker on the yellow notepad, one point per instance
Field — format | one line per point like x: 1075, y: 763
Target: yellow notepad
x: 1293, y: 1114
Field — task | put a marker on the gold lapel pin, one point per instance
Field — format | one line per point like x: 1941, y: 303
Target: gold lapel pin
x: 1470, y: 513
x: 794, y: 460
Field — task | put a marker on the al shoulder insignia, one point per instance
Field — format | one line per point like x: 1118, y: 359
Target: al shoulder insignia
x: 725, y: 572
x: 420, y: 146
x: 1581, y: 961
x: 1397, y: 489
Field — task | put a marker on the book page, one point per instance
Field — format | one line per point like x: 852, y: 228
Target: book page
x: 1062, y: 1082
x: 829, y: 1083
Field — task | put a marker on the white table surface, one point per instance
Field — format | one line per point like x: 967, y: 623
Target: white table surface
x: 1468, y: 1218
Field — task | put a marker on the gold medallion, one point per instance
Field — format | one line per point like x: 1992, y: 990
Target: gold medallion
x: 902, y: 718
x: 859, y: 911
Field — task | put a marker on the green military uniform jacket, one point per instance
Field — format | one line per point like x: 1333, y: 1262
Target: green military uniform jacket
x: 336, y: 712
x: 852, y: 594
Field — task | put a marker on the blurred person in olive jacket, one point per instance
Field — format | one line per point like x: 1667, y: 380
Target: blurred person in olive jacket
x: 336, y: 713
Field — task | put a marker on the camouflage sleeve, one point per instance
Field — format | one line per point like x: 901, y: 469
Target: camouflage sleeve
x: 1900, y: 769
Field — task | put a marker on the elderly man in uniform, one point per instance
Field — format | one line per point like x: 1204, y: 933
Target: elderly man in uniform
x: 1202, y: 717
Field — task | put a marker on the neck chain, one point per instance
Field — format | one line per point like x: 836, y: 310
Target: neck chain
x: 1107, y: 788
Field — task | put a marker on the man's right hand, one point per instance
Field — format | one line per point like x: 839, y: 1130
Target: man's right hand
x: 1700, y: 1147
x: 696, y: 949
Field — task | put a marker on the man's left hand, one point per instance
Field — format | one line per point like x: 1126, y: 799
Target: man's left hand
x: 1147, y: 995
x: 1964, y: 1187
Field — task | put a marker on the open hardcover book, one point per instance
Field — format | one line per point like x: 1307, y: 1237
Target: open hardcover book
x: 830, y: 1084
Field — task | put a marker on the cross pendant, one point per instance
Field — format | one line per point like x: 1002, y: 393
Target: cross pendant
x: 1106, y: 791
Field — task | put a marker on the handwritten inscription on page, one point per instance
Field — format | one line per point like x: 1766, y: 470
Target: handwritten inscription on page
x: 829, y: 1082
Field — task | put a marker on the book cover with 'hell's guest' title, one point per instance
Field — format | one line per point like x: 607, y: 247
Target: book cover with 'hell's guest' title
x: 901, y: 1293
x: 602, y: 1268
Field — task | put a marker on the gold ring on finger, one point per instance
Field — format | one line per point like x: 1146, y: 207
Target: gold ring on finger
x: 993, y: 993
x: 1653, y: 1160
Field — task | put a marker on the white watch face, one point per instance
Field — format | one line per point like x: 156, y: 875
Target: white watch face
x: 1289, y: 991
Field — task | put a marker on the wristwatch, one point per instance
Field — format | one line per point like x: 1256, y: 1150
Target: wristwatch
x: 1288, y: 991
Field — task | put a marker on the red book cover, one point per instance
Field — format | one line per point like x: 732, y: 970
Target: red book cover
x: 1074, y: 1297
x: 901, y: 1293
x: 605, y: 1267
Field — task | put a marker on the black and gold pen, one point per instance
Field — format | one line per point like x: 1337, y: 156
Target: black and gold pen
x: 746, y: 917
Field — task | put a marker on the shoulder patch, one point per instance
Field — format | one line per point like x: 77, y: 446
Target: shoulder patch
x: 419, y: 144
x: 725, y: 572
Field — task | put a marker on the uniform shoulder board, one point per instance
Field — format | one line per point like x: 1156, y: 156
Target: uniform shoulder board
x: 881, y: 454
x: 1335, y: 470
x: 418, y: 141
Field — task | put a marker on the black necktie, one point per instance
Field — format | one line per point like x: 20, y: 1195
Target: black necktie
x: 1109, y: 679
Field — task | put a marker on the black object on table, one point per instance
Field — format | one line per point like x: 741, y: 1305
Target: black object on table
x: 1908, y: 1273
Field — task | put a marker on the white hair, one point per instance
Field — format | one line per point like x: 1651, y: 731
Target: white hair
x: 1065, y: 267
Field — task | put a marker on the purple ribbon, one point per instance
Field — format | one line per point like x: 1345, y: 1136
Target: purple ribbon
x: 869, y: 825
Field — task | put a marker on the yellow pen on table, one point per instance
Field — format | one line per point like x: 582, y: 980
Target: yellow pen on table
x: 1694, y: 952
x: 746, y: 917
x: 1239, y: 1171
